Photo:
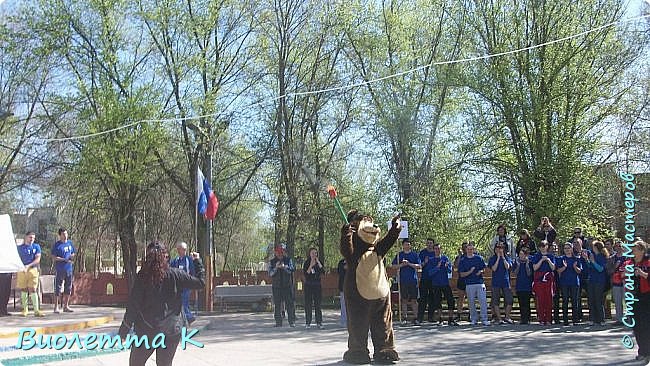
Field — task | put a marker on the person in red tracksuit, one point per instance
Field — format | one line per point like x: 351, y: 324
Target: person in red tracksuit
x: 544, y: 282
x: 641, y: 308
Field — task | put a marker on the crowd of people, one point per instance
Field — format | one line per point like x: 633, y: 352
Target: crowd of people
x: 555, y: 274
x: 584, y: 268
x: 541, y: 271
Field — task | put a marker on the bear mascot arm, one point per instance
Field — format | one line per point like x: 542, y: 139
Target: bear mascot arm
x: 384, y: 245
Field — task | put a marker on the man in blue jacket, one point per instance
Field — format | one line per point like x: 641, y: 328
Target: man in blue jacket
x: 186, y: 264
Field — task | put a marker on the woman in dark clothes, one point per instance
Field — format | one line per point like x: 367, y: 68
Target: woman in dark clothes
x: 313, y: 269
x: 155, y: 304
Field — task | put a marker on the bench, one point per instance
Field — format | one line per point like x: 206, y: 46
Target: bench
x: 255, y: 297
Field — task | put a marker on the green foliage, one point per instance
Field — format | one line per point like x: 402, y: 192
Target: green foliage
x: 544, y: 103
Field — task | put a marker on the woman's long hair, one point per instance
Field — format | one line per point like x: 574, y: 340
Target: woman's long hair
x: 601, y: 248
x: 155, y: 264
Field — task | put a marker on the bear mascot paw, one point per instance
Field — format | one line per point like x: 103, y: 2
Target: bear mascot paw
x: 366, y: 288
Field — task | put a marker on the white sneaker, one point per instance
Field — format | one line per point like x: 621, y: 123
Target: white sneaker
x: 486, y: 323
x: 307, y: 326
x: 320, y: 326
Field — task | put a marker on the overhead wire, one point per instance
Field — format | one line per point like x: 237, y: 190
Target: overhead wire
x: 353, y: 85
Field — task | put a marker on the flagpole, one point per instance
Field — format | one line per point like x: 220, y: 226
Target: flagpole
x: 196, y: 227
x: 209, y: 288
x: 196, y: 207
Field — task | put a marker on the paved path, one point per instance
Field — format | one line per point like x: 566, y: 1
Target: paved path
x: 251, y: 339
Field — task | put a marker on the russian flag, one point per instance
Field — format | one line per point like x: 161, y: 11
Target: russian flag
x: 206, y: 201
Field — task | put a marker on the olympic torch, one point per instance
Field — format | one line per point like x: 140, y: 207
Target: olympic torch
x: 332, y: 192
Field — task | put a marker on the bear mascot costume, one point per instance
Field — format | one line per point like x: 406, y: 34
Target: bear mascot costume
x: 367, y: 290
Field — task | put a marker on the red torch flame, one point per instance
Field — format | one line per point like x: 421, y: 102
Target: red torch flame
x: 332, y: 191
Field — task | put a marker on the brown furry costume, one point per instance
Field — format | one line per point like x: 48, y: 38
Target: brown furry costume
x: 366, y: 289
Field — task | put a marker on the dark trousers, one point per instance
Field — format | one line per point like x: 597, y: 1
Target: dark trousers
x: 642, y: 319
x: 524, y: 305
x: 443, y: 291
x: 573, y: 293
x: 284, y: 295
x: 426, y: 301
x: 583, y: 289
x: 313, y: 295
x: 556, y: 306
x: 595, y: 295
x: 164, y: 356
x: 5, y: 291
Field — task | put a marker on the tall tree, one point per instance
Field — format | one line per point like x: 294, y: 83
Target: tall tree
x: 111, y: 91
x: 203, y: 49
x: 536, y: 109
x: 24, y: 78
x: 409, y: 109
x: 305, y: 56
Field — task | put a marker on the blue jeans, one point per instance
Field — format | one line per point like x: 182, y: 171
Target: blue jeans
x: 185, y: 297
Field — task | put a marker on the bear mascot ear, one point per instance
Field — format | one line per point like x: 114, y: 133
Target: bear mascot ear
x: 352, y: 215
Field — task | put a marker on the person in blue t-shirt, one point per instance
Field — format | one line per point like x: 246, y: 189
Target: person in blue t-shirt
x: 523, y: 269
x: 427, y: 256
x: 63, y: 253
x: 440, y: 272
x: 596, y: 263
x: 582, y: 253
x: 569, y: 267
x: 408, y: 263
x: 27, y: 280
x: 460, y: 282
x: 500, y: 264
x: 471, y: 269
x: 186, y: 263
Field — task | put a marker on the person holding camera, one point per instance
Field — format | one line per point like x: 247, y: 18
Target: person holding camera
x: 596, y: 263
x: 155, y: 304
x: 545, y: 231
x: 313, y: 269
